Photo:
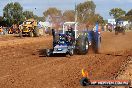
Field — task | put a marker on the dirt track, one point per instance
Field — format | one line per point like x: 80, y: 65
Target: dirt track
x: 24, y: 65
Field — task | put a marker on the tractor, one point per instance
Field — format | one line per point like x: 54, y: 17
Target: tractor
x: 72, y: 41
x: 14, y: 29
x: 119, y: 27
x: 29, y: 28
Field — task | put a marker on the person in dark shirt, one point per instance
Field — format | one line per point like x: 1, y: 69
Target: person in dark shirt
x: 70, y: 34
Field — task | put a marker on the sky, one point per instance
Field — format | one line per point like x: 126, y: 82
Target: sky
x: 102, y: 6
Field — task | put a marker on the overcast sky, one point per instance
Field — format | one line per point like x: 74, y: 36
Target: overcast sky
x: 102, y: 6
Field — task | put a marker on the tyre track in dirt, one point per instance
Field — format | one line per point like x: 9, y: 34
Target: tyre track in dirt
x: 70, y: 73
x: 97, y: 70
x: 35, y: 72
x: 35, y: 68
x: 126, y: 72
x: 116, y: 43
x: 24, y: 57
x: 8, y: 37
x: 62, y: 72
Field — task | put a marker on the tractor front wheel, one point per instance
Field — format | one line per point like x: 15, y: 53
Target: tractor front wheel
x: 31, y: 34
x: 49, y: 52
x: 20, y: 34
x: 71, y: 52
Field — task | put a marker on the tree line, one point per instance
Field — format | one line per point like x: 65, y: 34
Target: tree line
x: 119, y: 13
x: 13, y: 13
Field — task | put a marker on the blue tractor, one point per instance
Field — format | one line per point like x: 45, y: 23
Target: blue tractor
x: 71, y: 40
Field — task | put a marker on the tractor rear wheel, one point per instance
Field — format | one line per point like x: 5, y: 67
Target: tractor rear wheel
x: 82, y: 45
x: 123, y: 31
x: 20, y: 34
x: 97, y: 45
x: 36, y: 32
x: 116, y: 32
x: 31, y: 34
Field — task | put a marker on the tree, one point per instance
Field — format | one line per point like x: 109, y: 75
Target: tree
x: 99, y: 18
x: 41, y: 18
x: 69, y: 15
x: 28, y: 14
x: 117, y: 13
x: 85, y: 9
x: 1, y: 19
x: 128, y: 15
x: 95, y: 18
x: 53, y: 13
x: 13, y: 12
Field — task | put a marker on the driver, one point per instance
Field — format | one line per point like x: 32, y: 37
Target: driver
x: 70, y: 35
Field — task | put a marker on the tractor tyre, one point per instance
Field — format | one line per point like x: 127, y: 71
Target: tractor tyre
x: 116, y: 32
x: 71, y: 52
x: 82, y: 45
x: 49, y: 52
x: 20, y: 34
x: 97, y: 45
x: 31, y: 34
x: 36, y: 32
x: 123, y: 31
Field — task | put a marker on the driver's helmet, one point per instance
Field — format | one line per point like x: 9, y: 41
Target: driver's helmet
x: 70, y: 28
